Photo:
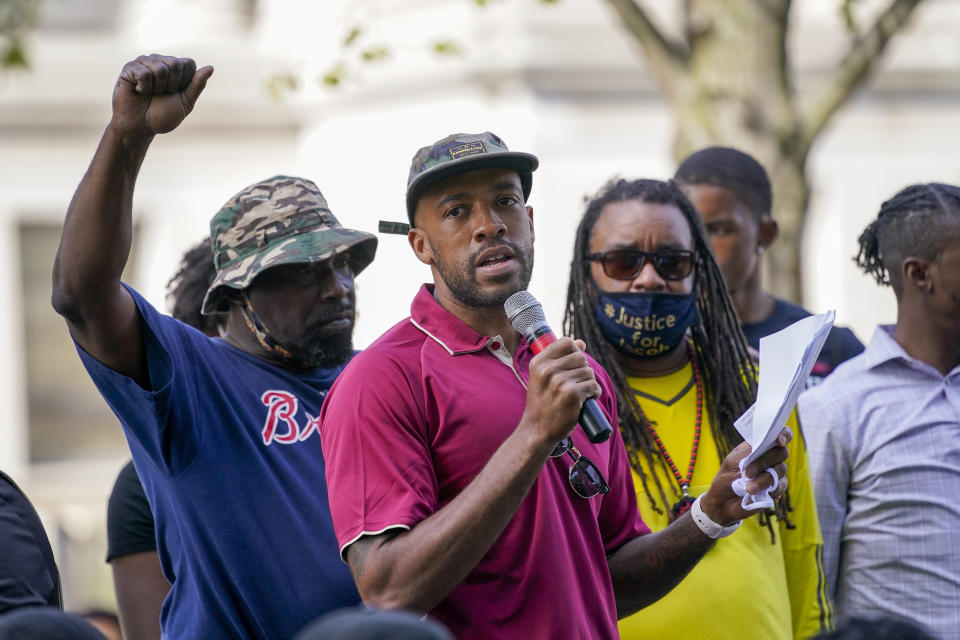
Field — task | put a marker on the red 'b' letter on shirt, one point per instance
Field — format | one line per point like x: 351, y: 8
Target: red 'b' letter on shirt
x: 283, y: 406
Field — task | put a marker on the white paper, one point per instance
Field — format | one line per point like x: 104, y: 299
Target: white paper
x: 786, y: 359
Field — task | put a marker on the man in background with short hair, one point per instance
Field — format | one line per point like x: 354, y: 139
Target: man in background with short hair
x: 731, y: 192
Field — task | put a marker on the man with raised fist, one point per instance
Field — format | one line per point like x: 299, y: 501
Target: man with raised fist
x: 223, y: 431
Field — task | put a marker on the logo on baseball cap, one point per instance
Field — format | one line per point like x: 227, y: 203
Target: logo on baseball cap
x: 461, y: 152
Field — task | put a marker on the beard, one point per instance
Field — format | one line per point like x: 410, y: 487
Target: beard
x: 461, y: 279
x: 318, y: 348
x: 326, y: 351
x: 315, y: 347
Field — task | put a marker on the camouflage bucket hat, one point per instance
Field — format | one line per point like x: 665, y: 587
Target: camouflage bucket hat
x: 282, y: 220
x: 461, y: 152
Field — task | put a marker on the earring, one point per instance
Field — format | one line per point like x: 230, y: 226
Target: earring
x: 760, y: 251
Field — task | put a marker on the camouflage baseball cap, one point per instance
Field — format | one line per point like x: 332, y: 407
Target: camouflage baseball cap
x: 461, y: 152
x: 281, y: 220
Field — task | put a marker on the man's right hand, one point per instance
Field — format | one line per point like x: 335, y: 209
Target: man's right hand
x: 155, y: 93
x: 561, y: 380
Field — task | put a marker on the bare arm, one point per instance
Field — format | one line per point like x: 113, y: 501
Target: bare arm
x: 153, y: 95
x: 140, y: 587
x: 416, y: 569
x: 647, y: 568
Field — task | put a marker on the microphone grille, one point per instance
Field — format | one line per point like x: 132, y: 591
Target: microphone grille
x: 524, y: 312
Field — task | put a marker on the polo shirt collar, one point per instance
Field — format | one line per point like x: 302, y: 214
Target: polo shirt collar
x: 442, y: 326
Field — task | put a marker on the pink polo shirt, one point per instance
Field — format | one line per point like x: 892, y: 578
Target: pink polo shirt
x: 415, y: 417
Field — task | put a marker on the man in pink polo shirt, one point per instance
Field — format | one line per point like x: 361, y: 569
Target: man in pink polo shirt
x: 448, y: 489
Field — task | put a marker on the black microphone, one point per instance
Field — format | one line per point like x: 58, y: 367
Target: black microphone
x: 526, y: 316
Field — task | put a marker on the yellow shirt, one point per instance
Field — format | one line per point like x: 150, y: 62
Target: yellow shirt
x: 744, y: 587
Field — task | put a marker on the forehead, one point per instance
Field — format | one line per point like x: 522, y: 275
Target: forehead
x: 634, y: 224
x: 714, y: 202
x: 299, y: 268
x: 469, y: 183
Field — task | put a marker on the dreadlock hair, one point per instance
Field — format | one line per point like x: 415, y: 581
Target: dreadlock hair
x: 729, y: 372
x: 732, y: 169
x: 188, y: 286
x: 911, y: 223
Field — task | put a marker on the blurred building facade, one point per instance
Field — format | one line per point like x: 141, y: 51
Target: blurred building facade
x: 561, y: 81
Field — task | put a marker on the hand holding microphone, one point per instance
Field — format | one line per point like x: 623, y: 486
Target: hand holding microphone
x: 527, y: 317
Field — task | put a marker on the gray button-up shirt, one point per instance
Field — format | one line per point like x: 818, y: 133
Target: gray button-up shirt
x: 883, y: 433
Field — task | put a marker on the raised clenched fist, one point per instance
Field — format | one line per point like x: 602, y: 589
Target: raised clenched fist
x: 155, y: 93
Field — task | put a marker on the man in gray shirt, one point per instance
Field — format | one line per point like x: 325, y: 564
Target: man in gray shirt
x: 883, y: 431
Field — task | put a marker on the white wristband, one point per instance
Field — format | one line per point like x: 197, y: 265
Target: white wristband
x: 710, y: 528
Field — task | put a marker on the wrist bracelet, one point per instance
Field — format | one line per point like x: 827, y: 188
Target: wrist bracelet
x: 710, y: 528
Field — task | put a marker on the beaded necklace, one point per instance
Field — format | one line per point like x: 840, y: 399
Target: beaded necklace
x: 685, y: 501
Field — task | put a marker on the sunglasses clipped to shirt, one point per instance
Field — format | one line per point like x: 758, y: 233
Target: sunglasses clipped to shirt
x: 585, y: 477
x: 626, y: 264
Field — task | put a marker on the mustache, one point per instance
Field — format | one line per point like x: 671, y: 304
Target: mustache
x: 517, y: 254
x: 332, y: 311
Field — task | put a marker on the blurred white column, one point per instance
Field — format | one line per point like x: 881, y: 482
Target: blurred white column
x: 14, y: 440
x: 175, y: 22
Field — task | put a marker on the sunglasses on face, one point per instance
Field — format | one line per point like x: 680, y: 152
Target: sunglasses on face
x: 585, y: 477
x: 626, y: 264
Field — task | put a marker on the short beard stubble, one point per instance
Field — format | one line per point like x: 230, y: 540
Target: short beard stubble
x: 461, y: 279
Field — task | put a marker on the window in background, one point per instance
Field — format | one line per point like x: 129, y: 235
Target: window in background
x: 67, y: 418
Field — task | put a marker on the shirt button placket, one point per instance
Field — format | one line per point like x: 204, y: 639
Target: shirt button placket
x: 951, y: 390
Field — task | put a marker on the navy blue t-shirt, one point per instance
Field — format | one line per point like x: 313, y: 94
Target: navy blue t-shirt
x: 841, y: 344
x: 228, y: 451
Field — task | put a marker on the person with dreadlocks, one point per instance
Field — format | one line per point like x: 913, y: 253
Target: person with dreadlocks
x: 648, y: 299
x: 188, y: 286
x: 882, y: 429
x: 731, y: 192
